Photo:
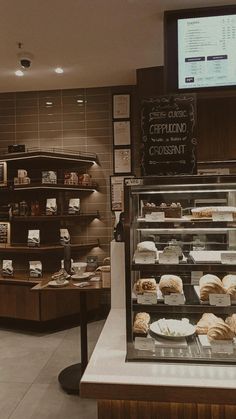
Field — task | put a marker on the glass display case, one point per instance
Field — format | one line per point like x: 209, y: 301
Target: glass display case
x: 180, y: 247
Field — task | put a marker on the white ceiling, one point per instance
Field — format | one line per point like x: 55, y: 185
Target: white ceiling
x: 97, y: 42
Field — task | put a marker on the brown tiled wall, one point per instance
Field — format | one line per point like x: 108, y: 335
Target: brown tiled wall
x: 29, y: 118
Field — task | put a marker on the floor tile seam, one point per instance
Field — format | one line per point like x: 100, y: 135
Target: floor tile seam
x: 20, y: 401
x: 48, y: 360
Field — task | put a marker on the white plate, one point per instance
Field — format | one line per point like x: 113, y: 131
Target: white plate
x: 85, y: 275
x: 55, y: 284
x: 183, y: 327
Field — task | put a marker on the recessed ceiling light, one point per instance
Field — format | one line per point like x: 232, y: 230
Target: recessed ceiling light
x: 80, y: 101
x: 59, y: 70
x: 19, y: 73
x: 48, y: 103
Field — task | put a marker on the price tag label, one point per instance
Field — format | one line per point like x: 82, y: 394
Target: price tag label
x: 195, y: 277
x: 221, y: 300
x: 222, y: 347
x: 144, y: 344
x: 174, y: 299
x: 133, y: 182
x: 144, y: 257
x: 222, y: 216
x: 147, y: 298
x: 169, y: 258
x: 155, y: 216
x: 228, y: 258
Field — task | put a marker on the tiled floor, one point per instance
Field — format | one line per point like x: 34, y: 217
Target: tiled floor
x: 29, y: 366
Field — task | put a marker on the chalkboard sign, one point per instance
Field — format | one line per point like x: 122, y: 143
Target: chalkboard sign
x: 168, y: 125
x: 3, y: 173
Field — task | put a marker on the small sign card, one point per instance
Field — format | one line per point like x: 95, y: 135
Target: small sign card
x: 222, y: 216
x: 147, y: 298
x: 195, y: 277
x: 168, y: 258
x: 220, y: 300
x: 145, y: 257
x: 155, y: 216
x: 222, y: 347
x: 133, y: 182
x: 228, y: 258
x: 174, y: 299
x: 144, y: 344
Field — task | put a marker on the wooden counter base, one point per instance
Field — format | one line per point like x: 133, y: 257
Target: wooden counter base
x: 117, y: 409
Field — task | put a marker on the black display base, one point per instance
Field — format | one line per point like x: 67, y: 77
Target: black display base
x: 69, y: 379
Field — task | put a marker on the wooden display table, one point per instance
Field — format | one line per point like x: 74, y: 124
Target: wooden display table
x: 69, y: 378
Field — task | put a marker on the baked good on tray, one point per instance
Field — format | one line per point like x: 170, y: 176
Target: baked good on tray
x: 207, y: 320
x: 210, y: 284
x: 141, y: 323
x: 231, y: 321
x: 229, y: 283
x: 220, y: 331
x: 145, y: 285
x: 173, y: 210
x: 206, y: 212
x: 170, y: 284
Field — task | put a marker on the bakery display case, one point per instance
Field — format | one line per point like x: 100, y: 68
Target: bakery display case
x: 180, y: 250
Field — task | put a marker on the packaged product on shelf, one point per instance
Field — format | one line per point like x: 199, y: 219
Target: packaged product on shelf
x: 23, y: 208
x: 35, y: 208
x: 35, y: 268
x: 33, y: 238
x: 71, y: 178
x: 85, y: 179
x: 74, y: 206
x: 51, y: 206
x: 92, y: 263
x: 7, y: 268
x: 64, y: 236
x: 49, y: 176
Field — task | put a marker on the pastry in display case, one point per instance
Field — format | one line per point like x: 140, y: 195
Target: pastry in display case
x: 181, y: 269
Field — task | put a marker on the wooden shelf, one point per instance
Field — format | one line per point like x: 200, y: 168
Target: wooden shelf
x: 50, y: 218
x: 57, y: 186
x: 51, y: 154
x: 52, y: 248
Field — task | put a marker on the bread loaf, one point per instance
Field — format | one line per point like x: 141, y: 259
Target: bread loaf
x: 220, y: 331
x: 170, y: 284
x: 210, y: 284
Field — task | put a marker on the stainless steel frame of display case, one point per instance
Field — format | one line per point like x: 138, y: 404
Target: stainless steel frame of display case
x: 198, y: 187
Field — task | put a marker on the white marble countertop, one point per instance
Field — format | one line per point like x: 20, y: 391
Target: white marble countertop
x: 107, y: 364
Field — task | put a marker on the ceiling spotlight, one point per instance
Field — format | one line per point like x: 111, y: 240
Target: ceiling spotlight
x: 59, y: 70
x: 48, y: 103
x: 19, y: 73
x: 80, y: 101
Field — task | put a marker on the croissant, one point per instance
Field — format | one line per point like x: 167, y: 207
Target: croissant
x: 207, y: 320
x: 231, y: 321
x: 220, y: 331
x: 210, y: 284
x: 170, y: 284
x: 229, y: 282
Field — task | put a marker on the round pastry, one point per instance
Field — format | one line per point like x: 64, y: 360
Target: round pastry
x: 231, y: 321
x: 210, y: 284
x: 220, y: 331
x: 170, y: 284
x: 141, y: 323
x: 145, y: 285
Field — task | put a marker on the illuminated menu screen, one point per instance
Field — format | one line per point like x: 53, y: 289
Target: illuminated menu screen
x: 207, y: 51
